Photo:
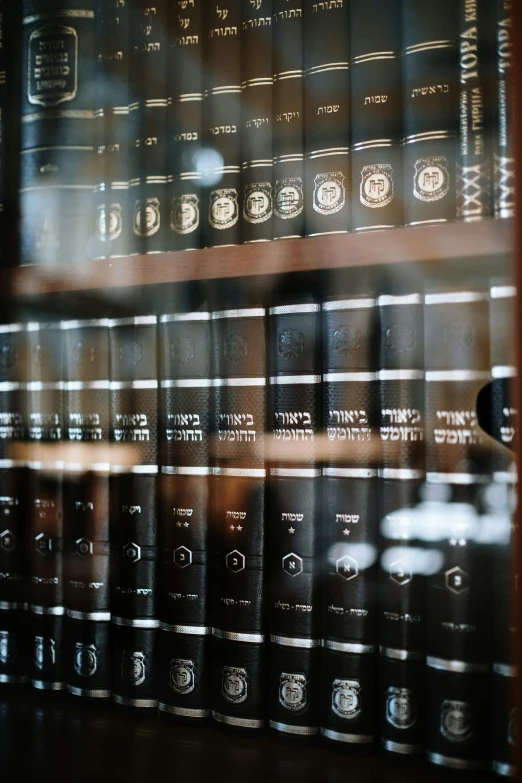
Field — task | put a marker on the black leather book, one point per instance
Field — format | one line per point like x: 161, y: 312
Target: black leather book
x: 86, y: 483
x: 257, y: 203
x: 238, y: 517
x: 184, y: 655
x: 350, y: 519
x: 458, y: 641
x: 222, y: 122
x: 402, y: 599
x: 327, y: 116
x: 133, y: 518
x: 148, y: 190
x: 185, y: 122
x: 474, y: 160
x: 504, y: 155
x: 288, y: 118
x: 57, y: 136
x: 431, y: 110
x: 376, y: 116
x: 294, y: 514
x: 45, y: 430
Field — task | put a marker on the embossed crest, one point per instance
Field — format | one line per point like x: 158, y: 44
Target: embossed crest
x: 346, y: 339
x: 182, y: 350
x: 401, y: 707
x: 184, y: 213
x: 44, y: 652
x: 131, y: 352
x: 257, y: 202
x: 85, y: 659
x: 109, y: 222
x: 8, y: 647
x: 52, y: 73
x: 346, y: 698
x: 289, y: 199
x: 512, y: 735
x: 147, y: 217
x: 83, y: 354
x: 456, y: 721
x: 8, y: 356
x: 376, y: 188
x: 293, y: 692
x: 431, y: 179
x: 460, y: 334
x: 223, y: 211
x: 290, y: 344
x: 133, y: 667
x: 329, y: 193
x: 236, y: 347
x: 234, y: 684
x: 182, y: 675
x: 400, y: 338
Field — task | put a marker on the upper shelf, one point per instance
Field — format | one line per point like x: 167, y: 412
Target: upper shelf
x: 417, y: 244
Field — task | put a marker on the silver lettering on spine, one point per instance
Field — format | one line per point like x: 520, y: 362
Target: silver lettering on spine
x: 293, y: 694
x: 223, y: 210
x: 182, y: 675
x: 376, y: 185
x: 329, y: 193
x: 133, y: 667
x: 184, y: 213
x: 234, y: 684
x: 289, y: 200
x: 258, y: 203
x: 346, y: 700
x: 146, y: 220
x: 431, y: 179
x: 52, y: 73
x: 456, y: 721
x: 85, y: 659
x: 401, y: 707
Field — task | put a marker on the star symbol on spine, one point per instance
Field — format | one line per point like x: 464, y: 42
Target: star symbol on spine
x: 179, y: 524
x: 232, y: 527
x: 346, y: 532
x: 240, y: 528
x: 291, y: 530
x: 185, y: 524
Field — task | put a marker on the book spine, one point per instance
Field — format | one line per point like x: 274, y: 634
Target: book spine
x: 458, y: 639
x: 13, y: 582
x: 294, y: 512
x: 288, y: 113
x: 86, y: 492
x: 402, y: 588
x: 431, y: 101
x: 350, y: 520
x: 257, y: 121
x: 222, y: 118
x: 45, y: 429
x: 185, y: 123
x: 148, y: 126
x: 134, y: 538
x: 57, y: 136
x: 238, y: 514
x: 327, y: 117
x: 3, y: 117
x: 376, y: 116
x: 504, y: 156
x: 474, y: 160
x: 184, y: 655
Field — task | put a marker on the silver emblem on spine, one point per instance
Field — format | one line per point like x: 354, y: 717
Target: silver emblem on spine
x: 455, y: 721
x: 85, y: 659
x: 184, y: 213
x: 289, y: 200
x: 431, y: 179
x: 182, y: 675
x: 223, y: 210
x: 234, y: 684
x: 346, y: 698
x: 8, y: 647
x: 401, y: 708
x: 109, y: 222
x: 133, y: 667
x: 376, y: 185
x: 52, y: 73
x: 146, y: 217
x: 44, y: 651
x: 292, y: 691
x: 329, y: 192
x: 257, y: 202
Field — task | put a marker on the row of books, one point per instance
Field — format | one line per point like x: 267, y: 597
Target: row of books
x: 200, y: 123
x: 293, y: 497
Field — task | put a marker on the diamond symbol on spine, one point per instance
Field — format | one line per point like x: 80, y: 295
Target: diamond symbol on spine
x: 457, y: 580
x: 235, y: 561
x: 182, y: 557
x: 43, y: 544
x: 400, y: 572
x: 347, y: 567
x: 83, y: 547
x: 132, y: 552
x: 7, y: 540
x: 292, y: 564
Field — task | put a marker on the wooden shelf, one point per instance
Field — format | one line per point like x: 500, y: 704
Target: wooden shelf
x: 414, y: 244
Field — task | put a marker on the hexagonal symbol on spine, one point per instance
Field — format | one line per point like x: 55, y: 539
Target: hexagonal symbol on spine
x: 7, y: 540
x: 132, y: 552
x: 43, y: 544
x: 235, y: 561
x: 182, y: 557
x: 83, y: 547
x: 347, y: 567
x: 292, y: 564
x: 400, y: 572
x: 457, y: 580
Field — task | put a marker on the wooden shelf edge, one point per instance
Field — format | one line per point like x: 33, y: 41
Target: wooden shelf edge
x: 411, y: 244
